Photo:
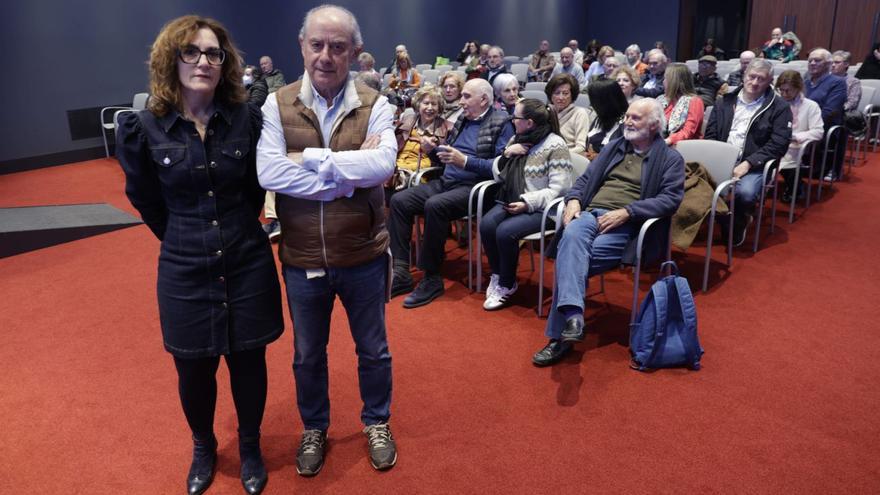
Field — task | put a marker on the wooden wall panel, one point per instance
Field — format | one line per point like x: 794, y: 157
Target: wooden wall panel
x: 854, y: 24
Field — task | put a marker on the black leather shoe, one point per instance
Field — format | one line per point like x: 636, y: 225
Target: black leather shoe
x: 253, y: 471
x: 573, y: 331
x: 204, y: 462
x: 430, y: 288
x: 401, y: 282
x: 551, y: 353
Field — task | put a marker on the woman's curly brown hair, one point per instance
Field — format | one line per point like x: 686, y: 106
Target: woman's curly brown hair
x: 164, y: 81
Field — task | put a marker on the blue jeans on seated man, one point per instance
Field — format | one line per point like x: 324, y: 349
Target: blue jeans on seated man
x: 748, y: 192
x: 501, y: 232
x: 583, y: 252
x: 362, y: 292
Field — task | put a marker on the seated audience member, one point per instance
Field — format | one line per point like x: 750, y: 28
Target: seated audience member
x: 534, y: 168
x: 628, y: 80
x: 371, y: 79
x: 256, y: 86
x: 870, y: 68
x: 366, y: 63
x: 829, y: 92
x: 494, y: 64
x: 577, y: 52
x: 609, y: 106
x: 574, y: 121
x: 397, y: 51
x: 682, y: 107
x: 542, y: 63
x: 652, y: 81
x: 274, y: 78
x: 706, y: 81
x: 469, y: 56
x: 735, y: 78
x: 420, y: 132
x: 451, y: 84
x: 806, y: 124
x: 709, y: 48
x: 839, y: 65
x: 506, y: 89
x: 598, y: 67
x: 404, y: 75
x: 610, y: 65
x: 591, y: 54
x: 659, y: 45
x: 479, y: 135
x: 634, y: 59
x: 758, y: 122
x: 567, y: 65
x: 777, y: 47
x: 475, y: 70
x: 633, y: 179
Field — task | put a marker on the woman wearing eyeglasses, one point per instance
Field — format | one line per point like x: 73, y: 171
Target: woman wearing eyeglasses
x: 190, y: 170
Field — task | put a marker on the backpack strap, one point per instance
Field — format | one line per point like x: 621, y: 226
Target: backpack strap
x: 689, y: 315
x: 658, y: 297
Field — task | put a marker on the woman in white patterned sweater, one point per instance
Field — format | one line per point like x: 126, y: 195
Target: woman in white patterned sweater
x: 534, y: 169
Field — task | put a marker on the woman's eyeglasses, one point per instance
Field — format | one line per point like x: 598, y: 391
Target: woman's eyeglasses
x: 191, y: 55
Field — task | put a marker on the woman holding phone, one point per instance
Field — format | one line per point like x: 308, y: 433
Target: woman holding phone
x: 534, y: 169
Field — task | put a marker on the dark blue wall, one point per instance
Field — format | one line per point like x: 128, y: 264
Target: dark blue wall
x: 69, y: 55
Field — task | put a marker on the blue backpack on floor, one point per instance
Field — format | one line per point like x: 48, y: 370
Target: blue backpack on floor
x: 665, y: 333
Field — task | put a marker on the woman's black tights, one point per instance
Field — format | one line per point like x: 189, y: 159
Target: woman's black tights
x: 197, y: 384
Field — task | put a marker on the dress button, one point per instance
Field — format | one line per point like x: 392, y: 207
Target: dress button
x: 210, y: 132
x: 219, y: 252
x: 210, y: 194
x: 215, y: 223
x: 213, y: 164
x: 225, y: 305
x: 237, y: 153
x: 221, y: 279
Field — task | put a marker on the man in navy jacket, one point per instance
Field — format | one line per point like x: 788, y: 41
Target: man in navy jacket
x: 829, y: 92
x: 634, y: 178
x: 758, y: 122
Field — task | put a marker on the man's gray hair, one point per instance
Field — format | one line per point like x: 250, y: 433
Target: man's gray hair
x: 633, y: 47
x: 655, y: 113
x: 496, y: 47
x: 356, y: 39
x: 502, y: 81
x: 825, y: 54
x: 761, y: 64
x: 746, y: 53
x: 845, y: 55
x: 657, y: 51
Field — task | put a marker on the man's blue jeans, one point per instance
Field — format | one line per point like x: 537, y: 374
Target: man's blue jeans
x: 362, y: 292
x: 748, y: 192
x: 583, y: 252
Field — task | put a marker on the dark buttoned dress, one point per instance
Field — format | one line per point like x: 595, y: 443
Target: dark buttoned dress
x: 217, y: 287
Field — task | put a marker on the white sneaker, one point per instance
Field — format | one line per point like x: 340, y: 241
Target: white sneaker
x: 499, y: 297
x: 493, y: 284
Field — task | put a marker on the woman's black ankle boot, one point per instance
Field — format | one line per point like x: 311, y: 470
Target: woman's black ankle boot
x: 253, y: 472
x: 204, y: 462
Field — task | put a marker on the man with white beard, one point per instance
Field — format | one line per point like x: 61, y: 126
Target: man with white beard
x: 633, y: 178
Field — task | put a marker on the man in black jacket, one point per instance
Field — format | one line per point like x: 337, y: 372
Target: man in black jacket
x: 652, y: 81
x: 758, y: 122
x: 706, y: 81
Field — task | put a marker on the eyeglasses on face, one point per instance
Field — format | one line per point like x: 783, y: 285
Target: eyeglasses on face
x: 192, y: 54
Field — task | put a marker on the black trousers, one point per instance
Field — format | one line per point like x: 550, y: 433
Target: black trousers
x: 197, y: 385
x: 440, y: 203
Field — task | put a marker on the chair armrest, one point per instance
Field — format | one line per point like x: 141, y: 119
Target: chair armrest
x: 548, y: 209
x: 770, y: 169
x: 417, y: 178
x: 112, y: 125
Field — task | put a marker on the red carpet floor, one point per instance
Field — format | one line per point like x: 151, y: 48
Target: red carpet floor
x: 787, y: 400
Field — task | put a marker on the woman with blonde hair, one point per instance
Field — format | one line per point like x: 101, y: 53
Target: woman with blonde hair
x: 404, y: 75
x: 451, y: 84
x: 190, y: 170
x: 681, y: 105
x: 628, y: 80
x: 418, y: 133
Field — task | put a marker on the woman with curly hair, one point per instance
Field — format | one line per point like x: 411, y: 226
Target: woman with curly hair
x: 418, y: 134
x: 190, y: 170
